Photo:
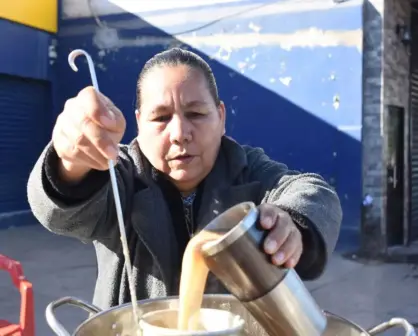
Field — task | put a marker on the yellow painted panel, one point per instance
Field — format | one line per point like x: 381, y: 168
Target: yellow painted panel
x: 41, y: 14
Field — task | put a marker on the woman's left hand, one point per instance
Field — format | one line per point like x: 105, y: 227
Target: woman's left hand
x: 284, y: 242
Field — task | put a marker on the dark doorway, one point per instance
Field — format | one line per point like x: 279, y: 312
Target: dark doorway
x: 395, y: 175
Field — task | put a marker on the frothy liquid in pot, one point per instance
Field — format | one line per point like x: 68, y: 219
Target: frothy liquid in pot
x: 194, y: 273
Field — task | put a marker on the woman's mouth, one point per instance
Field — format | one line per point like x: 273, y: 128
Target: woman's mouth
x: 183, y: 158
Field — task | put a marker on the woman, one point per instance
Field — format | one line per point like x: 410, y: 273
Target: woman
x: 175, y: 177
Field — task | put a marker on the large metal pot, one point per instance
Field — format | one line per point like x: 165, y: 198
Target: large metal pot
x: 118, y: 320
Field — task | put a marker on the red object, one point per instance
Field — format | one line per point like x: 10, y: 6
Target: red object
x: 26, y: 326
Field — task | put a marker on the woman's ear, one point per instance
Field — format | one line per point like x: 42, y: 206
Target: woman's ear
x: 222, y: 114
x: 137, y: 115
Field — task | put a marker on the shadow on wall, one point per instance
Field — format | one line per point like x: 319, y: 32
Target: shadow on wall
x: 256, y: 115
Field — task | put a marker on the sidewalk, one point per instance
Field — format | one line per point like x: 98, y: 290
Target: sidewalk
x: 58, y: 266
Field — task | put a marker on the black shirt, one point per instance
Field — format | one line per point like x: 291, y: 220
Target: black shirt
x: 183, y: 210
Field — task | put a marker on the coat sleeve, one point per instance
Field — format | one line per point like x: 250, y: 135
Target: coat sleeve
x: 86, y: 211
x: 313, y: 205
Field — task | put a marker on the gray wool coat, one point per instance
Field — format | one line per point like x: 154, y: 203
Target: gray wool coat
x: 241, y: 173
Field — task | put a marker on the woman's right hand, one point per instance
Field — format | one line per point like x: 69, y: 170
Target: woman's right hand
x: 87, y: 134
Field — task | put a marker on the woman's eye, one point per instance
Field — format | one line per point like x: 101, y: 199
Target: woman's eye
x: 194, y: 115
x: 163, y: 118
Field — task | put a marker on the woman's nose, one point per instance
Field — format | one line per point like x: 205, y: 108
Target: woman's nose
x: 180, y: 130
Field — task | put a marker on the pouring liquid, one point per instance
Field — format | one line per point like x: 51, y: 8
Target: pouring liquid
x: 194, y: 273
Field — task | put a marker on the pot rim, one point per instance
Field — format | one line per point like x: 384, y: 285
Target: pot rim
x: 142, y: 302
x: 208, y: 296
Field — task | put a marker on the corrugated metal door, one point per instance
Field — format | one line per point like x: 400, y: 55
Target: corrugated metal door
x: 414, y: 153
x: 25, y: 123
x: 413, y: 223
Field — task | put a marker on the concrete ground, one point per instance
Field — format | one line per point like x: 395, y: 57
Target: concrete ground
x: 58, y: 266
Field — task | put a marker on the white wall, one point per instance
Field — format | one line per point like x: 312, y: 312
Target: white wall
x: 81, y: 8
x: 176, y: 12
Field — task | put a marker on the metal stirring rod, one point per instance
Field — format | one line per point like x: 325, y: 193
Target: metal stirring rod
x: 71, y: 58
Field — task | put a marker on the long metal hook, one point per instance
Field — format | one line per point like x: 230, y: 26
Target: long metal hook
x: 71, y: 60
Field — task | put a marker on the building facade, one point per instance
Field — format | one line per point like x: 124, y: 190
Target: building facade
x: 390, y: 131
x: 27, y: 31
x: 323, y: 86
x: 290, y: 73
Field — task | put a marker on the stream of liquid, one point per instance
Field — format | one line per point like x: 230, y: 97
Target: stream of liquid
x: 194, y: 273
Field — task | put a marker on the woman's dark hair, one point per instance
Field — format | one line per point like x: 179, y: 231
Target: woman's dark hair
x: 175, y: 57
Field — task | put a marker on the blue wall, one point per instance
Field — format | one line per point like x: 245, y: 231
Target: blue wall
x: 24, y: 51
x: 295, y: 123
x: 25, y: 114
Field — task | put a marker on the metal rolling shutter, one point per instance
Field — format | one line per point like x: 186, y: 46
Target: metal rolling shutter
x: 413, y: 128
x: 25, y: 123
x: 414, y: 152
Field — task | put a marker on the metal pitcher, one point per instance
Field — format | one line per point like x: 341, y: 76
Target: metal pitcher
x: 275, y: 296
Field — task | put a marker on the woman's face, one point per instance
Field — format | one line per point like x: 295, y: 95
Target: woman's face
x: 180, y: 126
